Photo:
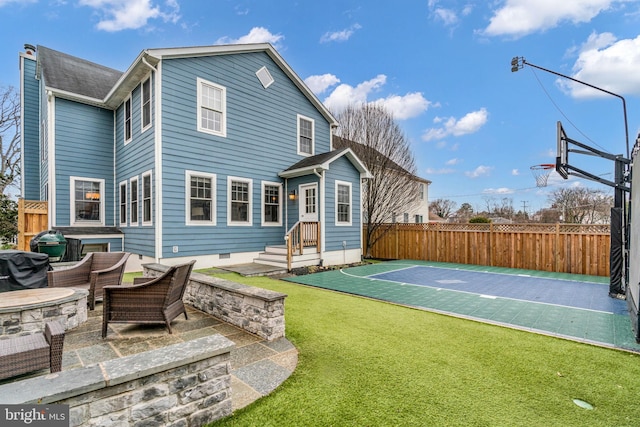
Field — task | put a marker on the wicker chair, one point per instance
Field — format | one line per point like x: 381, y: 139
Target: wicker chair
x: 96, y: 270
x: 27, y: 353
x: 149, y: 300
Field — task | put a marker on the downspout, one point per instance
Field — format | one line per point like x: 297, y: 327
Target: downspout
x: 285, y: 198
x: 321, y: 214
x: 158, y: 159
x: 51, y: 160
x: 116, y: 221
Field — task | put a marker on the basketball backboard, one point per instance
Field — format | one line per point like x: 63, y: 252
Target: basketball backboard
x: 562, y: 156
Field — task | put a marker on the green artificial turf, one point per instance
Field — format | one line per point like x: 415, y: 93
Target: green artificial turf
x: 369, y: 363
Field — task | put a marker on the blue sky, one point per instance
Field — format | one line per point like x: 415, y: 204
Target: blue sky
x: 442, y: 67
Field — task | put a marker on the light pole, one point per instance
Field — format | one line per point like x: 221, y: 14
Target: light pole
x: 518, y: 62
x: 619, y: 241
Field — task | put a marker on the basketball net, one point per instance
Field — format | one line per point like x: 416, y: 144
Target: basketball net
x: 541, y: 173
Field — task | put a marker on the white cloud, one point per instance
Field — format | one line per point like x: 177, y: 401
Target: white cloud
x: 256, y: 35
x: 241, y: 11
x: 405, y: 106
x: 452, y: 162
x: 340, y: 36
x: 320, y: 83
x: 606, y: 62
x: 470, y: 123
x: 479, y: 171
x: 447, y: 16
x: 515, y: 172
x: 501, y: 190
x: 443, y: 171
x: 344, y: 94
x: 521, y: 17
x: 402, y: 107
x: 120, y: 15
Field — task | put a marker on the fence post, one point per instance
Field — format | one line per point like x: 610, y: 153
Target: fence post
x: 556, y: 250
x: 491, y: 246
x: 21, y: 226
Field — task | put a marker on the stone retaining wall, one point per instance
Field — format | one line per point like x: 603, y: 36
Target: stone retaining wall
x: 256, y: 310
x: 70, y: 311
x: 182, y: 385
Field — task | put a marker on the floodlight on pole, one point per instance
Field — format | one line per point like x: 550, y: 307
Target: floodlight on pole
x: 518, y: 62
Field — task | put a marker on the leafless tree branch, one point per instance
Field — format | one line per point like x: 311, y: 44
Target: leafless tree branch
x: 9, y: 137
x: 384, y: 149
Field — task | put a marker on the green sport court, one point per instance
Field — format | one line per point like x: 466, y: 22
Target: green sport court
x: 568, y: 306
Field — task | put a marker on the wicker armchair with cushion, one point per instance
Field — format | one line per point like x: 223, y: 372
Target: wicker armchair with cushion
x: 96, y: 270
x: 150, y: 300
x: 26, y: 353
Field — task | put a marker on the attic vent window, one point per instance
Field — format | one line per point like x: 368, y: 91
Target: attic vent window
x: 265, y: 77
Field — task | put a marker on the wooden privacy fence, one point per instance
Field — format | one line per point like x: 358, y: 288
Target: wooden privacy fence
x: 563, y: 248
x: 32, y: 219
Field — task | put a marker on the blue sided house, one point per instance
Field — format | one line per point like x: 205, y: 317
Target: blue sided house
x: 214, y: 153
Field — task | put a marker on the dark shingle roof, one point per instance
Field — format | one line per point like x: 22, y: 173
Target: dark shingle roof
x: 70, y: 74
x: 370, y: 153
x: 316, y: 160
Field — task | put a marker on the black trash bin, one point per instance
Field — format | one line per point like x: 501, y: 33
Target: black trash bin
x: 50, y: 242
x: 23, y: 270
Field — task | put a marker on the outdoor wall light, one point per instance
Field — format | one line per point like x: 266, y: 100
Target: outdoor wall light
x: 292, y: 195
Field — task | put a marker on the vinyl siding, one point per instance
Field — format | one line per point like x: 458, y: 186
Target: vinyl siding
x: 261, y: 141
x: 44, y: 146
x: 31, y: 135
x: 342, y: 170
x: 83, y: 148
x: 132, y: 160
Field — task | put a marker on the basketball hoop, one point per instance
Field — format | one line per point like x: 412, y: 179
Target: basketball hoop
x: 541, y: 173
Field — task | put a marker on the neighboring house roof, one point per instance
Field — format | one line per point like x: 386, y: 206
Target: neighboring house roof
x: 311, y: 164
x: 364, y: 152
x: 68, y: 74
x: 433, y: 217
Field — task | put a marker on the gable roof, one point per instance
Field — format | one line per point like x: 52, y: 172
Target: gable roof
x: 364, y: 151
x: 72, y: 75
x: 322, y: 161
x: 89, y: 82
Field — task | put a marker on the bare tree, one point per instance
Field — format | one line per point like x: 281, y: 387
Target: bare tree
x: 580, y: 205
x: 442, y: 207
x: 464, y: 213
x: 385, y: 151
x: 9, y: 137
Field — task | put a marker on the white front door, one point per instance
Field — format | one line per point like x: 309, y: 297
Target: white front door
x: 308, y: 202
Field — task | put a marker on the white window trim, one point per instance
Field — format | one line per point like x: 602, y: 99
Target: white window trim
x: 223, y: 131
x: 187, y: 199
x: 72, y: 198
x: 313, y: 135
x: 280, y: 199
x: 145, y: 174
x: 134, y: 181
x: 142, y: 126
x: 123, y: 220
x: 343, y: 223
x: 249, y: 208
x: 124, y: 119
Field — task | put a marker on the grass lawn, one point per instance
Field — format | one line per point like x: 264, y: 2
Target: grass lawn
x: 369, y: 363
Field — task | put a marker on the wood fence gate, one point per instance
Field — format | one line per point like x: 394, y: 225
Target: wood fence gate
x: 32, y: 219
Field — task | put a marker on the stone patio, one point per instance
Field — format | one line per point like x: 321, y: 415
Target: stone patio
x: 258, y: 366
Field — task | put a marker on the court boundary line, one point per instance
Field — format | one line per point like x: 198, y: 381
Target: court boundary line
x: 492, y: 272
x: 471, y: 293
